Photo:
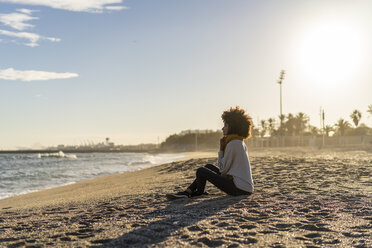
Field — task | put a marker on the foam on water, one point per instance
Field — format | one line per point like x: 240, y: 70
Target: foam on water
x: 25, y: 173
x: 59, y: 154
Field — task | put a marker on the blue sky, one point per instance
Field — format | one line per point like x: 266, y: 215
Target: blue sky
x: 146, y: 69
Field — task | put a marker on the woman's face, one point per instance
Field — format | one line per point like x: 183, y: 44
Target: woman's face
x: 225, y: 129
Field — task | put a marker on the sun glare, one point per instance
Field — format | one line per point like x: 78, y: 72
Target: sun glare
x: 330, y: 53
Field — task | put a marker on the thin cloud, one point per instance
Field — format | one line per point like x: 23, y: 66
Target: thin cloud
x: 95, y: 6
x: 31, y: 38
x: 26, y: 11
x: 116, y: 7
x: 27, y: 76
x: 17, y: 20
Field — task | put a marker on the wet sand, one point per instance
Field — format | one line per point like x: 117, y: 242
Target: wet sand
x: 303, y: 198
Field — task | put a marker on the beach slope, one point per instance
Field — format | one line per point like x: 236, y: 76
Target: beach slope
x: 302, y: 199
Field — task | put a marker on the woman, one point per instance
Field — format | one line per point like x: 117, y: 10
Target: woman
x: 234, y: 175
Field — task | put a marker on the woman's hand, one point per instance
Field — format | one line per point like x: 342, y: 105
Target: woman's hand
x: 222, y: 143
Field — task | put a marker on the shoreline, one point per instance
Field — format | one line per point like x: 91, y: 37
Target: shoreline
x: 301, y: 199
x: 292, y: 152
x: 187, y: 155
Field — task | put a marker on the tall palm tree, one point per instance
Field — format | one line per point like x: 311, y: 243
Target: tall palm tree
x: 369, y: 110
x: 255, y: 131
x: 263, y: 128
x: 290, y: 124
x: 301, y: 123
x: 314, y: 130
x: 356, y: 115
x: 328, y: 129
x: 271, y: 126
x: 342, y: 126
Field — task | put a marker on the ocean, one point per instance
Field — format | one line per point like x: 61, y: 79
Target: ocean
x: 25, y: 173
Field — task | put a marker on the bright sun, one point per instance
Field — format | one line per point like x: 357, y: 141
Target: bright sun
x: 330, y: 53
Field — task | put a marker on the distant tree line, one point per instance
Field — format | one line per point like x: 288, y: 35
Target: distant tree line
x: 192, y: 140
x: 299, y: 125
x: 287, y: 125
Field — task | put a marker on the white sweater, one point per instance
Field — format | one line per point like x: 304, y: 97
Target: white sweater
x: 235, y: 162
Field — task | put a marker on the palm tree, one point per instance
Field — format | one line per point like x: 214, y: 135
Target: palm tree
x: 328, y: 129
x: 314, y: 130
x: 290, y: 124
x: 342, y: 126
x: 356, y: 115
x: 369, y: 110
x: 255, y: 131
x: 301, y: 123
x: 263, y: 128
x: 271, y: 126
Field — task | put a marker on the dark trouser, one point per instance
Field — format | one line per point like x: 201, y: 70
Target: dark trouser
x: 212, y: 174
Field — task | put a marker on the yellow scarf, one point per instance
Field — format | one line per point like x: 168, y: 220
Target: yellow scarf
x: 231, y: 137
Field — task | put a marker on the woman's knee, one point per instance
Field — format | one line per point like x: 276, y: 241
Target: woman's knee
x: 212, y: 168
x: 209, y: 166
x: 201, y: 171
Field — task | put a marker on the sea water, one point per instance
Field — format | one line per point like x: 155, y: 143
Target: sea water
x: 24, y: 173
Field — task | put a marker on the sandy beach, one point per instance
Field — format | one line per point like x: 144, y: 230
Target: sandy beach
x: 303, y: 198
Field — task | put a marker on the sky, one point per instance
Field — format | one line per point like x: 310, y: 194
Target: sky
x: 76, y: 71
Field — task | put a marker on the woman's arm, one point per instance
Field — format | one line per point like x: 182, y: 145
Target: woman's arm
x: 225, y: 159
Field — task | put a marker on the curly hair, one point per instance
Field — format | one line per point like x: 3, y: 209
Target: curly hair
x: 239, y: 121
